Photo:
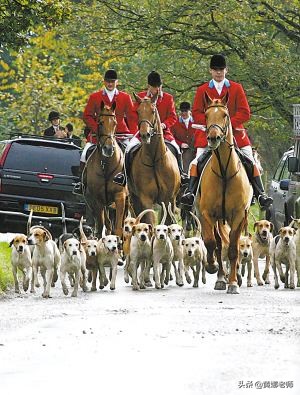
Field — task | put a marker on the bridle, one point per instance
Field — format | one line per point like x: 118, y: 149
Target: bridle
x: 107, y: 136
x: 151, y: 124
x: 223, y: 129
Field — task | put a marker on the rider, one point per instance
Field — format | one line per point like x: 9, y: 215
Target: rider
x: 167, y: 114
x: 239, y: 112
x: 182, y: 130
x: 125, y: 115
x: 55, y: 130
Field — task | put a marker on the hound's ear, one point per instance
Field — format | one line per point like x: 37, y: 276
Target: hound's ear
x: 255, y: 225
x: 250, y: 236
x: 103, y: 240
x: 207, y: 99
x: 12, y: 242
x: 113, y: 107
x: 119, y: 240
x: 102, y: 106
x: 280, y: 231
x: 271, y: 227
x: 137, y: 98
x: 46, y: 236
x: 225, y: 99
x: 133, y: 229
x: 64, y: 244
x: 150, y: 229
x: 183, y: 242
x: 197, y: 241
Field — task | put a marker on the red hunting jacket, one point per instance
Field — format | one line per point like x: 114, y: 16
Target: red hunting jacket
x: 166, y: 109
x: 125, y: 113
x: 183, y: 134
x: 238, y: 107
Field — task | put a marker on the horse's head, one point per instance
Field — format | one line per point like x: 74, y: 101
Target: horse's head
x: 147, y: 113
x: 217, y: 120
x: 106, y: 130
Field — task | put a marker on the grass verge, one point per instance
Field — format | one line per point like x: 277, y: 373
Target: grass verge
x: 6, y: 277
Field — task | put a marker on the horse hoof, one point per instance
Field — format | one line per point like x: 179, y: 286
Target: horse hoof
x: 179, y: 284
x: 220, y: 285
x: 212, y: 269
x: 148, y: 284
x: 233, y: 289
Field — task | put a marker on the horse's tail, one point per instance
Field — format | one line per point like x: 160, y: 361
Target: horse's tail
x: 223, y: 230
x: 139, y: 217
x: 83, y: 238
x: 199, y: 229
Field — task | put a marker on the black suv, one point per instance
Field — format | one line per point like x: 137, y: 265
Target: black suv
x: 285, y: 189
x: 38, y: 173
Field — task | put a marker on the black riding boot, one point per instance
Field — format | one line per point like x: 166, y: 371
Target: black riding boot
x: 187, y: 200
x: 263, y: 199
x: 120, y: 178
x: 78, y: 187
x: 184, y: 178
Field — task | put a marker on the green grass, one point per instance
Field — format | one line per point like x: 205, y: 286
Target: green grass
x: 6, y: 277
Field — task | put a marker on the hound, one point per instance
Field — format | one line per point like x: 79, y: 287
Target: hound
x: 89, y: 244
x: 129, y: 222
x: 296, y: 225
x: 261, y: 246
x: 195, y: 256
x: 176, y: 236
x: 283, y: 250
x: 162, y: 253
x: 108, y: 255
x: 45, y: 255
x: 246, y: 257
x: 140, y: 255
x: 73, y: 262
x: 21, y: 259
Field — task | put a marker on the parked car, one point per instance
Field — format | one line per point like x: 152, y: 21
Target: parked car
x: 38, y: 174
x: 285, y: 189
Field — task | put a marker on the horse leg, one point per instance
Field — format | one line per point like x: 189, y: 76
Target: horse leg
x: 234, y: 236
x: 221, y: 281
x: 120, y: 211
x: 210, y: 244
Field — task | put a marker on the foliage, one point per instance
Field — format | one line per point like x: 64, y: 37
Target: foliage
x: 19, y: 19
x: 5, y: 267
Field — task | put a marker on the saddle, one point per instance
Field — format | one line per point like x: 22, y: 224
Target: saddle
x: 90, y: 151
x: 246, y: 162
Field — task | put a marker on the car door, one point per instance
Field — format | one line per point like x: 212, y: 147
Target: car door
x: 279, y: 195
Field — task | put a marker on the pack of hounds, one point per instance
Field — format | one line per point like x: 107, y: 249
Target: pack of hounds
x: 151, y: 254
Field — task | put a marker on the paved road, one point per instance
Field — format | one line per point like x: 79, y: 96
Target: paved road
x: 172, y: 341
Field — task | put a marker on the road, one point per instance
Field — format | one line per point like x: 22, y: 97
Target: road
x: 171, y: 341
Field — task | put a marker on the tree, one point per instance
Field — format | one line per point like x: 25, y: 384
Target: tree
x: 20, y: 18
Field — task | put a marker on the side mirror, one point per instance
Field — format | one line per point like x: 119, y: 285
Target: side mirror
x: 293, y: 164
x: 284, y: 185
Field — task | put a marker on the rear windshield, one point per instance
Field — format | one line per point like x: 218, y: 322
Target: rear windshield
x: 45, y: 159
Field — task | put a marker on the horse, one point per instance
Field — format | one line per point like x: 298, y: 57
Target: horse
x: 154, y: 175
x: 105, y: 161
x: 224, y: 195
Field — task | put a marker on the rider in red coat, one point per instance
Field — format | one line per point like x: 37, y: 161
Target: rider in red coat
x: 166, y: 109
x: 125, y: 115
x: 239, y: 112
x: 182, y: 130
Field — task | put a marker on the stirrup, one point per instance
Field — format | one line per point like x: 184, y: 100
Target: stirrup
x: 184, y: 179
x: 187, y: 200
x: 264, y: 201
x: 78, y: 189
x: 120, y: 179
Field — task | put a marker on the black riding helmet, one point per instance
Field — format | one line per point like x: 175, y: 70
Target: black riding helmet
x: 53, y: 115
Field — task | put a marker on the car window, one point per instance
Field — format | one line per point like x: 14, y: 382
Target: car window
x: 279, y: 169
x: 285, y: 174
x: 43, y: 158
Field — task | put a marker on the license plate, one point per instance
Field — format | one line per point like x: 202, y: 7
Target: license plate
x: 37, y: 208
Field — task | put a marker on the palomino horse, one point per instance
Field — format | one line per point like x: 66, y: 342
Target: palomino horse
x: 105, y: 161
x: 154, y: 176
x: 224, y: 194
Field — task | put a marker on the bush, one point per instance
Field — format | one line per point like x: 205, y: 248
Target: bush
x: 6, y: 277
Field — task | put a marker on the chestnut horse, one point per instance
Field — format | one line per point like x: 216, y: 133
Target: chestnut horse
x: 224, y: 195
x: 106, y: 160
x: 154, y: 175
